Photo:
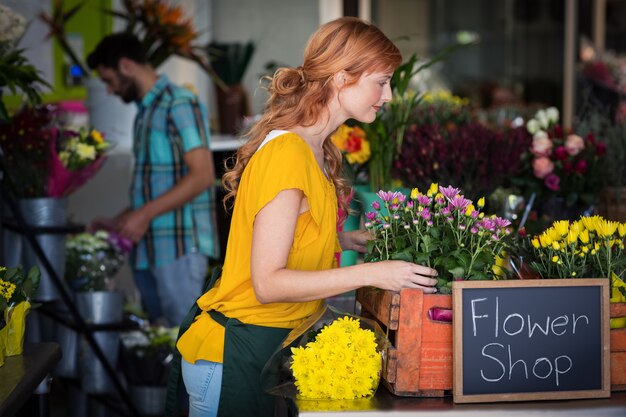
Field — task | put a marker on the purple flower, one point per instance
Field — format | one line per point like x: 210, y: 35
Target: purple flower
x: 370, y: 215
x: 459, y: 202
x: 462, y: 227
x: 409, y: 205
x: 425, y: 214
x: 424, y: 200
x: 440, y: 201
x: 446, y: 210
x: 474, y: 230
x: 552, y: 181
x: 449, y: 192
x: 429, y: 222
x: 500, y: 222
x: 388, y: 196
x: 376, y: 205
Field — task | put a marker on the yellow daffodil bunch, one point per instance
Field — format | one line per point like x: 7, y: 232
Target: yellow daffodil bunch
x: 81, y: 148
x: 591, y: 247
x: 342, y: 363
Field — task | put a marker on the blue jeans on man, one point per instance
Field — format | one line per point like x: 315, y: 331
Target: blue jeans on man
x: 169, y: 291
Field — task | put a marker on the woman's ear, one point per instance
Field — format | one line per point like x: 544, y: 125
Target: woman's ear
x: 339, y: 79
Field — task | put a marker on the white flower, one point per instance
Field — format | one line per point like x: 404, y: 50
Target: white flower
x: 12, y: 25
x: 542, y: 119
x: 553, y: 115
x: 532, y: 126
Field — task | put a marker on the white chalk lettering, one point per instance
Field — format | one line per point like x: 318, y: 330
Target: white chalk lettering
x: 474, y: 316
x: 556, y: 367
x: 532, y: 326
x: 512, y: 365
x: 537, y: 362
x: 506, y: 320
x: 556, y: 323
x: 497, y: 316
x: 575, y: 321
x: 482, y: 374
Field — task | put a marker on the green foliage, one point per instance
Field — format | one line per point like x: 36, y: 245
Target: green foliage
x: 230, y: 60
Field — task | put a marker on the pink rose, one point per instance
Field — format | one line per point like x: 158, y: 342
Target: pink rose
x: 542, y: 145
x: 552, y: 182
x: 574, y: 144
x: 542, y: 166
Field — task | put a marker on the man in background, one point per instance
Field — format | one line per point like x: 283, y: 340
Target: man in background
x: 170, y: 218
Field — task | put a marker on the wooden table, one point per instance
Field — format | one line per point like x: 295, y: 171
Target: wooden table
x: 21, y: 375
x: 386, y: 404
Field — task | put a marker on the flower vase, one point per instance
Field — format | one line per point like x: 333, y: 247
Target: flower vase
x: 99, y: 307
x: 15, y: 318
x: 232, y: 107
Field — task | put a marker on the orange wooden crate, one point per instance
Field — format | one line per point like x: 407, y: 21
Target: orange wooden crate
x: 618, y: 350
x: 419, y: 363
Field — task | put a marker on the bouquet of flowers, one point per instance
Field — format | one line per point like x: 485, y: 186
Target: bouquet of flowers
x: 92, y: 259
x: 440, y: 229
x: 146, y: 354
x: 44, y: 160
x: 562, y: 162
x: 590, y: 247
x: 16, y: 291
x: 80, y: 156
x: 355, y: 148
x: 332, y: 356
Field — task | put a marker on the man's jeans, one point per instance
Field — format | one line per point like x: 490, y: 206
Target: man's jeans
x: 170, y: 290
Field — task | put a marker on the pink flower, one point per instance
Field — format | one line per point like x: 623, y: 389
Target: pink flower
x: 542, y: 166
x: 552, y: 181
x: 376, y: 205
x: 370, y: 215
x: 449, y: 192
x: 574, y: 144
x: 581, y: 166
x: 542, y: 145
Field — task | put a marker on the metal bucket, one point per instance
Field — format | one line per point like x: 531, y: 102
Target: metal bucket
x: 100, y: 307
x: 44, y: 212
x: 67, y: 338
x: 149, y: 400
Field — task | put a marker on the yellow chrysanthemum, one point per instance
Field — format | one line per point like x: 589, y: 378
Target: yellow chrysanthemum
x: 97, y: 136
x: 432, y: 190
x: 85, y: 151
x: 561, y: 227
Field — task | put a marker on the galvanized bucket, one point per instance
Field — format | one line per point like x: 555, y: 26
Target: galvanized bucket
x: 100, y: 307
x: 44, y: 212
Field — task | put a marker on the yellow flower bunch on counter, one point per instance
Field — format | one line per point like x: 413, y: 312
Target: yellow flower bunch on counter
x: 342, y: 363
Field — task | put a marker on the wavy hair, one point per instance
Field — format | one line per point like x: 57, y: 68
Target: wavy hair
x: 300, y: 96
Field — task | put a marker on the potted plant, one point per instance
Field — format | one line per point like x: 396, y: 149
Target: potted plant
x: 16, y: 292
x: 590, y: 247
x: 230, y: 61
x: 145, y: 359
x: 92, y: 260
x: 445, y: 231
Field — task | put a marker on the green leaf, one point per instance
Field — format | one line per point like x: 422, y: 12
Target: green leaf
x: 457, y: 272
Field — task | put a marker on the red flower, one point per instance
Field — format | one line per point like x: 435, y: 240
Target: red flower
x: 591, y: 138
x: 581, y: 166
x: 353, y: 143
x: 560, y: 153
x: 601, y: 149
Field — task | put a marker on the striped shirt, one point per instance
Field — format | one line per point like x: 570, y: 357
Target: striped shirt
x: 170, y: 121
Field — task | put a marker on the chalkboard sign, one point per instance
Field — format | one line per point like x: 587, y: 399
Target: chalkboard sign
x: 531, y: 340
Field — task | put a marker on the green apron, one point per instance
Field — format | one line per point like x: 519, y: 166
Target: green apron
x: 247, y: 348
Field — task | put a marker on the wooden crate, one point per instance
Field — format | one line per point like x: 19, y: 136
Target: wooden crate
x: 618, y: 350
x: 419, y: 363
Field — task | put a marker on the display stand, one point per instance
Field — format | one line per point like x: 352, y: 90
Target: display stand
x: 76, y: 322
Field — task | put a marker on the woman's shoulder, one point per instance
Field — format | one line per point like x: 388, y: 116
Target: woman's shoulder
x: 287, y: 146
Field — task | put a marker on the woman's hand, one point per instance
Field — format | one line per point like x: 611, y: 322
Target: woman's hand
x: 395, y: 275
x: 355, y: 240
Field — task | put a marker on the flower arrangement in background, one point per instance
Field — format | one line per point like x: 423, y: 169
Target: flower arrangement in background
x: 160, y: 25
x: 16, y: 73
x: 355, y: 148
x: 26, y: 141
x: 562, y: 162
x: 92, y: 259
x: 477, y: 158
x: 442, y: 108
x: 440, y: 229
x: 342, y: 362
x: 44, y: 160
x: 79, y: 156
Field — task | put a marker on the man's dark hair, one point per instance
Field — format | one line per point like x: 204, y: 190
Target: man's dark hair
x: 114, y: 47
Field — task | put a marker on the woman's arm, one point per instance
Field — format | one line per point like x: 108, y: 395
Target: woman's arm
x: 273, y: 232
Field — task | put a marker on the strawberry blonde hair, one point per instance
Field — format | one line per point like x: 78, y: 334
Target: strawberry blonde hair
x: 299, y: 96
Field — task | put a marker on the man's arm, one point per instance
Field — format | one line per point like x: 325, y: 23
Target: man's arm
x: 200, y: 176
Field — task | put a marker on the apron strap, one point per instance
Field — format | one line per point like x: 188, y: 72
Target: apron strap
x: 174, y: 382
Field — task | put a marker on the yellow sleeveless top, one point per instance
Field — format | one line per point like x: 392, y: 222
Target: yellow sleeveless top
x: 285, y: 162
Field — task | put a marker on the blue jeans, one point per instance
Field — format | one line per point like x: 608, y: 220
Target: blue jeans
x: 203, y: 381
x: 170, y: 290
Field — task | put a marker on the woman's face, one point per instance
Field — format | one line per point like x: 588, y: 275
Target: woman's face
x: 365, y: 98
